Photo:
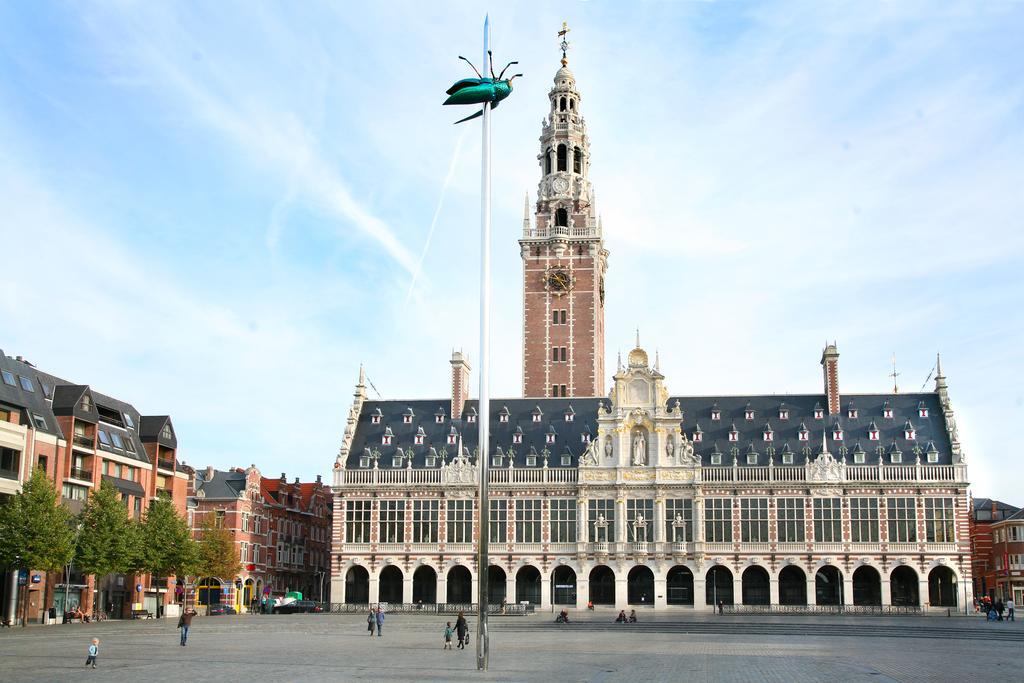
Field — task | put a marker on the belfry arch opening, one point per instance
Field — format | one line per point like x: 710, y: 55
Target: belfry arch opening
x: 563, y: 157
x: 561, y: 218
x: 577, y: 160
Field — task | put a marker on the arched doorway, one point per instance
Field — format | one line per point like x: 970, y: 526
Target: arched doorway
x: 208, y: 591
x: 602, y: 585
x: 942, y: 587
x: 903, y: 587
x: 496, y: 584
x: 867, y: 586
x: 460, y: 585
x: 424, y: 585
x: 679, y: 586
x: 792, y: 586
x: 563, y: 586
x: 389, y: 585
x: 828, y: 586
x: 357, y: 586
x: 528, y: 585
x: 640, y: 586
x: 756, y: 586
x: 718, y: 586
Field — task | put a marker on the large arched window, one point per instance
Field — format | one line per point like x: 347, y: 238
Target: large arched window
x: 563, y: 153
x: 561, y: 218
x: 547, y: 161
x: 577, y: 160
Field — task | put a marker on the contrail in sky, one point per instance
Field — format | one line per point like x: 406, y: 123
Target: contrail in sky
x: 437, y: 212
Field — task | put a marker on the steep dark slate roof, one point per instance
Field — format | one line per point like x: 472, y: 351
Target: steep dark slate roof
x: 151, y: 426
x: 984, y: 505
x: 223, y: 484
x: 696, y: 411
x: 26, y: 401
x: 132, y: 488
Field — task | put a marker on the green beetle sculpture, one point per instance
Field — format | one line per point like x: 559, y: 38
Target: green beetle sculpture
x: 479, y: 90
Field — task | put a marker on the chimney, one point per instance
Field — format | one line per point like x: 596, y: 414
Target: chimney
x: 319, y: 480
x: 296, y: 480
x: 830, y: 367
x: 460, y: 383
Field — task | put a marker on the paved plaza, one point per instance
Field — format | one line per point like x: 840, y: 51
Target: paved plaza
x: 693, y: 648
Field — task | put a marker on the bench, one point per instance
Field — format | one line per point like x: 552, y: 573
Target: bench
x: 141, y: 614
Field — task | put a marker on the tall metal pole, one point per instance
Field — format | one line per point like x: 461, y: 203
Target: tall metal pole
x: 483, y: 638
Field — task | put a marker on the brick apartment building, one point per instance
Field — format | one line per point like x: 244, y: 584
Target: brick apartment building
x: 997, y: 547
x: 81, y: 437
x: 235, y: 500
x: 300, y: 543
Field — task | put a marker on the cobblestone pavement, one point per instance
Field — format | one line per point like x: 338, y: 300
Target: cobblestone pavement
x: 329, y: 647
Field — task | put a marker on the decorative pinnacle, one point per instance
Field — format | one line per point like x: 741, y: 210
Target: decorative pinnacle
x: 565, y: 43
x: 638, y: 337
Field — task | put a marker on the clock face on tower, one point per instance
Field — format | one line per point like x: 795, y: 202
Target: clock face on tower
x: 560, y: 185
x: 557, y: 280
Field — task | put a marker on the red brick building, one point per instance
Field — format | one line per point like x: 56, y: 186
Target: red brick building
x: 997, y: 547
x: 81, y: 437
x: 235, y: 501
x: 300, y: 536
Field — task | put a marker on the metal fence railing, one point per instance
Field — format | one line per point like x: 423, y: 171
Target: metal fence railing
x: 821, y: 609
x: 431, y: 608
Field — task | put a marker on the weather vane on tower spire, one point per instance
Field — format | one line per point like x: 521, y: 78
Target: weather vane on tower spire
x: 565, y: 43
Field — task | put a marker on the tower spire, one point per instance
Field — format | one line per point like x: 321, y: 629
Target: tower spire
x: 564, y: 45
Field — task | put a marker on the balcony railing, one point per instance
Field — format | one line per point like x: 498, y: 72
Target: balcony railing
x: 84, y: 440
x: 508, y: 476
x: 81, y: 474
x: 165, y: 463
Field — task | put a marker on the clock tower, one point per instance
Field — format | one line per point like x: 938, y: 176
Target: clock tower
x: 564, y: 259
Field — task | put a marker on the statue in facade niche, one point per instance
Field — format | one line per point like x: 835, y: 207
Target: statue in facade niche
x: 670, y: 447
x: 608, y: 447
x: 639, y: 449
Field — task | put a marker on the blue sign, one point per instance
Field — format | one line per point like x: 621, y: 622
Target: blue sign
x: 36, y: 578
x: 22, y: 577
x: 138, y: 588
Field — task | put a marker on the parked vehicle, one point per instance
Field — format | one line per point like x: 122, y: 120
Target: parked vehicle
x: 221, y: 608
x: 297, y: 607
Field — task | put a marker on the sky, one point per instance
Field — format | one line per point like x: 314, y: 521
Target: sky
x: 219, y: 210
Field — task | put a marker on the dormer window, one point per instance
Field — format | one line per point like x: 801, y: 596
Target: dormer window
x: 858, y: 457
x: 517, y: 437
x: 733, y: 434
x: 471, y: 418
x: 453, y: 437
x: 896, y: 457
x: 495, y: 461
x: 585, y: 437
x: 716, y: 414
x: 851, y: 413
x: 531, y: 461
x: 166, y: 432
x: 803, y: 434
x: 922, y: 409
x: 569, y: 416
x: 819, y: 413
x: 549, y: 437
x: 768, y: 435
x: 837, y: 434
x: 439, y: 417
x: 503, y: 415
x: 787, y: 458
x: 873, y: 435
x: 430, y: 461
x: 86, y: 403
x: 566, y: 460
x: 537, y: 415
x: 748, y: 414
x: 716, y: 458
x: 698, y: 436
x: 407, y: 419
x: 909, y: 433
x: 418, y: 439
x: 396, y: 461
x: 364, y: 461
x: 783, y: 413
x: 751, y: 458
x: 375, y: 417
x: 887, y: 411
x: 933, y: 456
x: 385, y: 439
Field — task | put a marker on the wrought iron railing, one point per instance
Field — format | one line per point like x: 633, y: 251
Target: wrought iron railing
x: 431, y: 608
x: 821, y: 609
x: 81, y: 474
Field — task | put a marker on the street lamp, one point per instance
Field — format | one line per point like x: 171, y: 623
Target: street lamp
x: 67, y: 569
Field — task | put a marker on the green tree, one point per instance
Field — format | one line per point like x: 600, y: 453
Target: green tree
x: 35, y: 531
x: 106, y: 542
x: 217, y: 554
x: 165, y: 546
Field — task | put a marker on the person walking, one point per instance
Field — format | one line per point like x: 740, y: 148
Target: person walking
x: 999, y: 608
x: 94, y: 652
x: 448, y: 633
x: 380, y: 621
x: 1010, y: 607
x: 371, y: 621
x: 462, y: 630
x: 185, y: 623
